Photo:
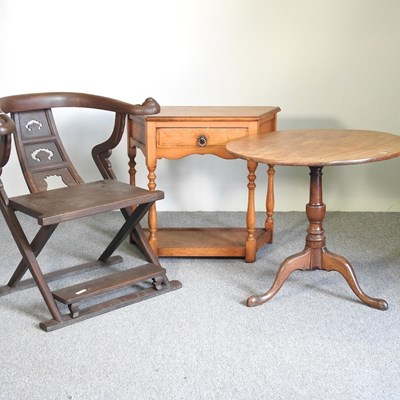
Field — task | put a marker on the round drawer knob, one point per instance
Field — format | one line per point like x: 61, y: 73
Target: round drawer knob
x: 202, y: 140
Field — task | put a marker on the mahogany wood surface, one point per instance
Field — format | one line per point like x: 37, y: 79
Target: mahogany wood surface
x: 316, y: 149
x: 180, y: 131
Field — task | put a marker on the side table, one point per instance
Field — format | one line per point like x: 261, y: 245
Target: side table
x: 177, y: 132
x: 316, y: 149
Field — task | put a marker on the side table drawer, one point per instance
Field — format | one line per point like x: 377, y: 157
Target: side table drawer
x: 197, y: 137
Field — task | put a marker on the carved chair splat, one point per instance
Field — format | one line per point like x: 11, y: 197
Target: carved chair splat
x: 41, y: 155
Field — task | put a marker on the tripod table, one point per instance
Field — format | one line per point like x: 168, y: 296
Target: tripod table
x: 316, y: 149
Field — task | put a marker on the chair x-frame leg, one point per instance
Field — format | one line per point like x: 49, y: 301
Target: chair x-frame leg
x: 30, y: 252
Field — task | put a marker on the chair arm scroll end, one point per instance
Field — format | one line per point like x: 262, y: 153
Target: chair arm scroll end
x: 7, y: 125
x: 148, y: 107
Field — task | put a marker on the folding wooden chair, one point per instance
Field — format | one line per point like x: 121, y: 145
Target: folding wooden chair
x: 41, y: 155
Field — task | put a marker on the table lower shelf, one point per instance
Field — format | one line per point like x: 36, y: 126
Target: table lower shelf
x: 208, y: 242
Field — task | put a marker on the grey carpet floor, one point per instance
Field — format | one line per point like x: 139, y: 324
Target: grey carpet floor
x: 314, y: 340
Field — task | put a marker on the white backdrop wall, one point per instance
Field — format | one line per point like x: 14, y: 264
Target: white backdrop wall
x: 327, y: 64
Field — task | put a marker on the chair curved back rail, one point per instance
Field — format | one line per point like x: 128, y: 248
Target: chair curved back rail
x: 40, y: 101
x: 42, y: 154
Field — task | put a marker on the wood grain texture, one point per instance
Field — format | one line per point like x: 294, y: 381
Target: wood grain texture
x: 208, y: 242
x: 317, y: 147
x: 179, y: 113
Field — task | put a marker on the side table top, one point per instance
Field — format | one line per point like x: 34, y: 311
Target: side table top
x: 317, y: 147
x: 177, y: 113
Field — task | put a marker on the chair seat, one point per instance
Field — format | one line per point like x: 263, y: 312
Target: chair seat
x: 68, y: 203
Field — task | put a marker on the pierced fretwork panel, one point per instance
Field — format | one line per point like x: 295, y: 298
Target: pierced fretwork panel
x: 54, y: 182
x: 41, y: 151
x: 58, y: 178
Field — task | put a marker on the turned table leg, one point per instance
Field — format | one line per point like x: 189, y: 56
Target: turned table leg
x: 315, y: 254
x: 270, y: 204
x: 152, y: 216
x: 251, y: 241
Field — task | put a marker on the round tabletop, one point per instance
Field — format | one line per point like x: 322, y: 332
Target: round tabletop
x: 317, y: 147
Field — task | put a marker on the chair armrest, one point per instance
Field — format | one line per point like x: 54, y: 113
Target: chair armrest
x: 7, y: 125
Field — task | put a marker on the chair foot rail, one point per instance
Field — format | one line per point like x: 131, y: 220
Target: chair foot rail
x: 108, y: 306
